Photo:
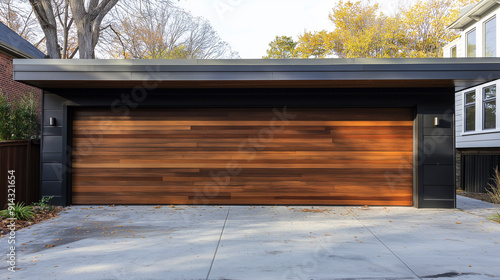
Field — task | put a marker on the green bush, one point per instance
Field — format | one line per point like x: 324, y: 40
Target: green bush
x: 496, y: 217
x: 44, y: 203
x: 494, y: 191
x: 4, y: 117
x: 19, y: 119
x: 18, y: 211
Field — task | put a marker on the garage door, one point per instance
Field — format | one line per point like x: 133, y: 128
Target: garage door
x: 281, y: 156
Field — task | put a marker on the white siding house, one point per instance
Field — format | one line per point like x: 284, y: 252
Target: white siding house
x: 477, y: 123
x: 474, y: 22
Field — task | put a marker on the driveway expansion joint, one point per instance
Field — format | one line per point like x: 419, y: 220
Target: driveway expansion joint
x: 218, y: 243
x: 392, y: 252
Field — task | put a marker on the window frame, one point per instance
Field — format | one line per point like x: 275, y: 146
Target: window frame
x: 484, y: 36
x: 453, y: 49
x: 469, y: 105
x: 473, y: 30
x: 488, y: 100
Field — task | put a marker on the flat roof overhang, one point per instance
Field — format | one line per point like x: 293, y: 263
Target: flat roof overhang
x: 459, y: 73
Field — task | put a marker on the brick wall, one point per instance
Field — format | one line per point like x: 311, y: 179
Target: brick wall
x: 11, y: 88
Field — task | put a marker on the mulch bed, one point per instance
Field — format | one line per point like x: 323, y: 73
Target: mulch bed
x: 40, y: 215
x: 480, y: 196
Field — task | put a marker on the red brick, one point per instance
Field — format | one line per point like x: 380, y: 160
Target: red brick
x: 14, y: 90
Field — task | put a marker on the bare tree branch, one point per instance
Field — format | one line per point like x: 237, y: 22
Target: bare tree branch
x: 45, y: 14
x: 88, y: 23
x: 74, y: 52
x: 157, y: 30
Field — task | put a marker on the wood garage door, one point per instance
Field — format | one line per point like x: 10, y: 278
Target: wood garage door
x: 243, y: 156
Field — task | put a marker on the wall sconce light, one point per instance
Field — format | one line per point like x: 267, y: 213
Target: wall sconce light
x: 436, y: 121
x: 52, y: 121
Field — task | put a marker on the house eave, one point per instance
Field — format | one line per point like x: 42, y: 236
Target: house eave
x: 257, y: 73
x: 14, y: 52
x: 474, y: 14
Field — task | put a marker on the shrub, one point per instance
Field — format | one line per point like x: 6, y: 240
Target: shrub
x: 4, y: 117
x: 18, y: 211
x: 494, y: 191
x: 44, y: 203
x: 496, y: 217
x: 19, y: 119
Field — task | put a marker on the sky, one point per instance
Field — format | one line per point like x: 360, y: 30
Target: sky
x: 250, y: 25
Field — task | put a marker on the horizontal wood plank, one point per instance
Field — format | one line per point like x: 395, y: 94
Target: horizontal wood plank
x: 342, y: 156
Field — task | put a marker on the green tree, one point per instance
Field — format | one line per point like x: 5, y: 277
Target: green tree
x: 281, y: 47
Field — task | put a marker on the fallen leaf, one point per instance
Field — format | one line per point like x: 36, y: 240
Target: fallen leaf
x: 49, y: 246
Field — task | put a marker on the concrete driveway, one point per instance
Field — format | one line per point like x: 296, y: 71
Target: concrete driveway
x: 238, y: 242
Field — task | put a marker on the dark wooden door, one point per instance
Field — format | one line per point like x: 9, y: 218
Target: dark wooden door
x: 347, y: 156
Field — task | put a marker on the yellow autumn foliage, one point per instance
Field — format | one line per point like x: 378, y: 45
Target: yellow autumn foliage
x: 361, y: 30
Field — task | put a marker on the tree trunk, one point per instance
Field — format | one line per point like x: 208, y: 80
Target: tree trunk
x: 45, y: 15
x: 88, y: 23
x: 85, y: 41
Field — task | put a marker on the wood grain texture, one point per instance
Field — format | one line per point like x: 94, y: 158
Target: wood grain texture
x: 341, y: 156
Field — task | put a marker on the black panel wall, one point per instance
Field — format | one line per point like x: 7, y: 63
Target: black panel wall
x: 478, y: 169
x: 436, y: 162
x: 54, y: 149
x: 434, y: 145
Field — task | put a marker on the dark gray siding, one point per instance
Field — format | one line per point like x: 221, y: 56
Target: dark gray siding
x: 53, y: 149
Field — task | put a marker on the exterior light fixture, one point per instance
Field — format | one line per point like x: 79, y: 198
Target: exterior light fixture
x: 436, y: 121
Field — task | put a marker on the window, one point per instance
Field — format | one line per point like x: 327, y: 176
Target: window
x: 470, y: 111
x: 471, y: 43
x: 454, y: 51
x: 489, y: 107
x: 490, y: 38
